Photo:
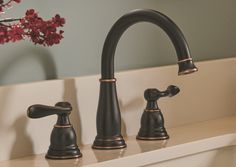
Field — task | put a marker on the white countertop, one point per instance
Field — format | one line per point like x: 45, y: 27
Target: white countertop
x: 184, y: 140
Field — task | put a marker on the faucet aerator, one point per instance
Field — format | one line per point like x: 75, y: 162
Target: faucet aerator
x: 186, y: 67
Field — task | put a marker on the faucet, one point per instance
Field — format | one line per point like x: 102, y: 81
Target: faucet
x: 108, y: 112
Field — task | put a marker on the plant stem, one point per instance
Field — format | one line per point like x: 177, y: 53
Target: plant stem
x: 6, y: 4
x: 8, y: 20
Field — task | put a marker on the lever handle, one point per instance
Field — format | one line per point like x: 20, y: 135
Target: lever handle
x: 172, y: 90
x: 39, y: 111
x: 154, y: 94
x: 63, y: 142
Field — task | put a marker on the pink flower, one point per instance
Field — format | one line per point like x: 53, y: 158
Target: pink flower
x: 15, y: 34
x: 58, y: 20
x: 43, y: 32
x: 17, y: 1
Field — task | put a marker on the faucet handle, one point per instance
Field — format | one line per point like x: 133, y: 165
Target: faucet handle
x: 39, y: 111
x: 63, y: 143
x: 153, y: 94
x: 152, y: 120
x: 172, y: 90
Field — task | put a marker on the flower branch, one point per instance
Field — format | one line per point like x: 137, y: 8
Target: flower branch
x: 8, y: 20
x: 7, y: 4
x: 39, y: 31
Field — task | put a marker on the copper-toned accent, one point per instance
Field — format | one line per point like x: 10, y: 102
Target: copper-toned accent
x: 152, y: 138
x: 108, y: 80
x: 154, y: 110
x: 188, y: 59
x: 114, y: 139
x: 63, y: 157
x: 188, y: 71
x: 115, y: 142
x: 62, y: 126
x: 104, y: 147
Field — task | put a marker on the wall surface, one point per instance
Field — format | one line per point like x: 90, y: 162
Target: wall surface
x: 209, y: 27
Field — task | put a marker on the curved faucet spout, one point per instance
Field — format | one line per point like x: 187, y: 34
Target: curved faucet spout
x: 151, y: 16
x: 108, y: 113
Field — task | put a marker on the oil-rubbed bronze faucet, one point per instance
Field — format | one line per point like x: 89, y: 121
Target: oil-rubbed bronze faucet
x: 63, y: 143
x: 108, y: 112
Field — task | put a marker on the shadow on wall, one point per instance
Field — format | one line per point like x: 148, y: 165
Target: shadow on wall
x: 4, y: 127
x: 131, y: 105
x: 71, y: 97
x: 42, y: 55
x: 22, y: 145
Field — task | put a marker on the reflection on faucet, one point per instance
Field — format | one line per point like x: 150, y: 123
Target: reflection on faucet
x: 23, y: 144
x: 108, y: 112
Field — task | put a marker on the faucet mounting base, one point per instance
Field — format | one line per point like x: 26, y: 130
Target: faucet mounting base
x: 71, y: 153
x: 153, y: 138
x: 107, y: 144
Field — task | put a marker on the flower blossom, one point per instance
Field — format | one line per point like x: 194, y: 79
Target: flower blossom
x: 39, y: 31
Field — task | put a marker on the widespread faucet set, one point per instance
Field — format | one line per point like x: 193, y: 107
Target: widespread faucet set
x: 63, y: 138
